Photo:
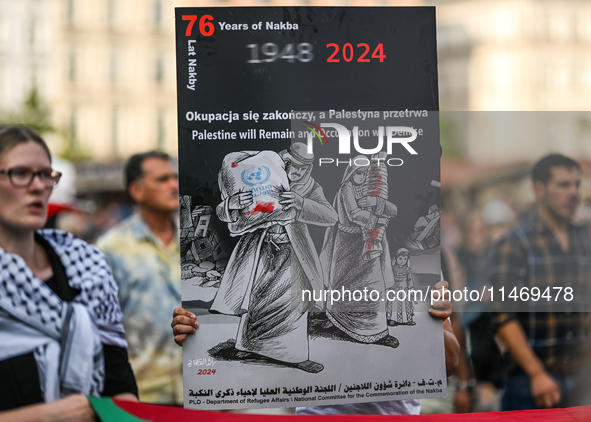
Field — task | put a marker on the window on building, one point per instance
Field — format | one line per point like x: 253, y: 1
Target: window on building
x: 70, y: 12
x: 158, y: 15
x: 72, y: 65
x: 115, y: 130
x: 73, y: 127
x: 583, y: 27
x: 2, y: 97
x: 560, y: 28
x: 159, y: 69
x: 111, y: 11
x: 160, y: 130
x: 34, y: 76
x: 32, y: 32
x: 586, y: 79
x: 113, y: 68
x: 540, y: 25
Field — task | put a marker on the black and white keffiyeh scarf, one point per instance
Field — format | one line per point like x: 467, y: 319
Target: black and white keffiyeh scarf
x: 66, y: 337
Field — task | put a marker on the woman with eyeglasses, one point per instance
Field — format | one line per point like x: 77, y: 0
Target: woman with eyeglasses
x: 61, y: 336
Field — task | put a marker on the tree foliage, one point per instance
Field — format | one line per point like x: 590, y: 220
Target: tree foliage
x: 34, y: 113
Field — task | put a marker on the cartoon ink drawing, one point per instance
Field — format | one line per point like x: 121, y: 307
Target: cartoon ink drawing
x: 427, y: 230
x: 403, y: 282
x: 268, y: 199
x: 203, y: 253
x: 375, y: 195
x: 355, y: 254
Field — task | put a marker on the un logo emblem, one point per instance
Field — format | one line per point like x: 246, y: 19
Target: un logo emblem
x: 256, y: 175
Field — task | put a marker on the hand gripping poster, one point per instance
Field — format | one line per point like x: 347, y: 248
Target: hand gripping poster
x: 310, y: 223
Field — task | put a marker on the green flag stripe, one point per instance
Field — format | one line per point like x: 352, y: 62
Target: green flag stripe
x: 108, y: 411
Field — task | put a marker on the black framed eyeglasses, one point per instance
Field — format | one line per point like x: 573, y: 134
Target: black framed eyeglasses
x: 22, y: 177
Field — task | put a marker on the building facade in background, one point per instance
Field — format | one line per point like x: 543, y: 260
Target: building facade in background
x: 26, y: 48
x: 114, y: 62
x: 106, y: 70
x: 529, y: 55
x: 501, y: 60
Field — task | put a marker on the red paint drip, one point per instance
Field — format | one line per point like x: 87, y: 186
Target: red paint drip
x: 373, y: 234
x: 369, y: 246
x: 234, y: 165
x: 378, y: 181
x: 264, y: 207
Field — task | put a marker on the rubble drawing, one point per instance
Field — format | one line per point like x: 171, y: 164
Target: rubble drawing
x: 203, y: 254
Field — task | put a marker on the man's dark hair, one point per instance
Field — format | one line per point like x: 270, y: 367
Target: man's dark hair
x: 542, y: 169
x: 133, y: 167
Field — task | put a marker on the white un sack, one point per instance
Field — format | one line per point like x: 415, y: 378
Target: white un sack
x: 263, y: 174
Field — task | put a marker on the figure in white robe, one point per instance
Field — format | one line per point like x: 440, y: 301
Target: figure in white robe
x: 270, y: 266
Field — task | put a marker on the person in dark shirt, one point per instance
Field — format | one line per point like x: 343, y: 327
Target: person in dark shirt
x: 548, y: 253
x: 60, y: 320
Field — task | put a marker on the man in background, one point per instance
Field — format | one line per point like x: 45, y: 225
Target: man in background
x: 144, y: 254
x: 545, y: 251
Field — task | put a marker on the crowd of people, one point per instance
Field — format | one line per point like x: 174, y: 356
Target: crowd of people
x: 96, y: 320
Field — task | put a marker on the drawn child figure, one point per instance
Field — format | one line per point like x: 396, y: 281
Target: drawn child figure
x: 402, y: 282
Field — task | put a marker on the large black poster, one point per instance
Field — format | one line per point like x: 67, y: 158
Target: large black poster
x: 309, y: 171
